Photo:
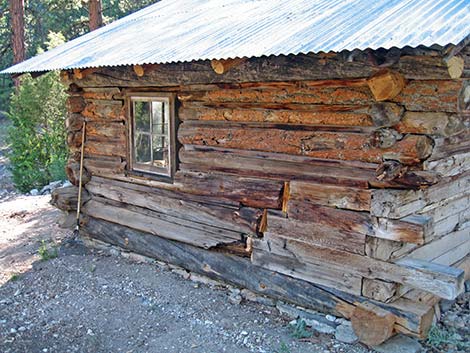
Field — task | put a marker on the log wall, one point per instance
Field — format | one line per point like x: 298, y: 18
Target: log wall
x: 341, y: 175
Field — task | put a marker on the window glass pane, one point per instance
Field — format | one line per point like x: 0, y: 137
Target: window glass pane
x: 143, y: 152
x: 160, y: 151
x: 159, y: 121
x: 142, y: 116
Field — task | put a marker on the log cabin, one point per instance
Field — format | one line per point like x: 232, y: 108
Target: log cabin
x: 310, y: 151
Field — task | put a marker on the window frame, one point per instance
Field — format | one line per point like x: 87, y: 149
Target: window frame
x: 165, y: 174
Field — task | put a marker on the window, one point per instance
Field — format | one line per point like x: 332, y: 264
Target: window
x: 152, y: 137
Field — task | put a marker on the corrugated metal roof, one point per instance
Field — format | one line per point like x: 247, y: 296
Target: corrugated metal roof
x: 187, y: 30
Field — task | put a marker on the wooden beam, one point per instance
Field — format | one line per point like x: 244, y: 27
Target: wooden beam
x: 386, y: 85
x: 222, y: 66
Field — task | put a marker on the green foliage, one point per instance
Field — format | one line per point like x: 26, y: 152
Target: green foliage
x: 299, y: 330
x: 439, y: 337
x: 283, y: 348
x: 46, y: 253
x: 37, y: 135
x: 14, y: 277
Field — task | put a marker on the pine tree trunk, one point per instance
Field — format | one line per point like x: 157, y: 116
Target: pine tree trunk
x: 17, y: 30
x: 96, y: 14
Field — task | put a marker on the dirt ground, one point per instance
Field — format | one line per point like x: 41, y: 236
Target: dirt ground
x: 57, y: 298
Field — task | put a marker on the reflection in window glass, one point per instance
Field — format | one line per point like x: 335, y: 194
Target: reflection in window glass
x: 150, y: 138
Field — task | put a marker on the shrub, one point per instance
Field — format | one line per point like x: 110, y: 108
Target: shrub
x: 37, y: 135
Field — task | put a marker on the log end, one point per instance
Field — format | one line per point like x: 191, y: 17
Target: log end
x: 372, y: 324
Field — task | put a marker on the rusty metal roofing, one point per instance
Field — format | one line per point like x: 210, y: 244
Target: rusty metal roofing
x: 186, y: 30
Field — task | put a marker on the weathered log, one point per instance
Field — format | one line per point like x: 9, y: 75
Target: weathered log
x: 80, y: 74
x: 450, y: 166
x: 387, y: 250
x: 66, y: 198
x: 381, y: 291
x: 104, y: 109
x: 431, y: 123
x: 386, y: 85
x: 372, y: 324
x: 390, y: 170
x: 440, y: 280
x: 139, y: 70
x: 160, y: 224
x: 244, y: 220
x: 344, y: 65
x: 324, y: 144
x: 385, y: 138
x: 329, y: 195
x: 386, y: 114
x: 430, y: 96
x: 323, y: 235
x: 411, y: 229
x: 411, y: 317
x: 105, y: 93
x: 455, y: 66
x: 98, y: 165
x: 74, y: 122
x: 72, y: 170
x: 75, y: 104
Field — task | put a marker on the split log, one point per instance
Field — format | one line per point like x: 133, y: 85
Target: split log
x: 412, y: 318
x: 386, y: 85
x: 332, y: 196
x: 411, y: 229
x: 160, y: 224
x: 443, y: 281
x: 328, y: 145
x: 323, y: 235
x: 244, y: 220
x: 372, y: 324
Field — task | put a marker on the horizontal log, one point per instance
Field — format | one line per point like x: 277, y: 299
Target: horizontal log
x: 411, y: 317
x: 445, y: 147
x: 244, y: 220
x: 332, y: 196
x: 160, y: 224
x: 372, y: 324
x: 100, y: 130
x: 104, y: 109
x: 275, y: 166
x: 97, y: 165
x: 74, y: 122
x: 276, y: 116
x: 312, y: 273
x: 328, y: 145
x: 209, y: 188
x: 412, y: 63
x: 387, y: 250
x: 430, y: 96
x: 379, y: 290
x: 431, y: 123
x: 316, y: 233
x: 105, y: 93
x: 66, y: 198
x: 412, y: 229
x: 386, y: 85
x: 449, y: 166
x: 300, y: 93
x: 446, y: 283
x: 438, y: 247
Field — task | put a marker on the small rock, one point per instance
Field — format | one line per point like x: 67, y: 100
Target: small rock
x: 204, y: 280
x: 181, y: 272
x: 13, y: 330
x: 244, y: 333
x: 319, y: 326
x: 399, y: 344
x: 253, y: 297
x: 330, y: 318
x: 235, y: 299
x: 21, y: 328
x: 445, y: 305
x: 66, y: 184
x: 34, y: 192
x: 345, y: 333
x: 467, y: 286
